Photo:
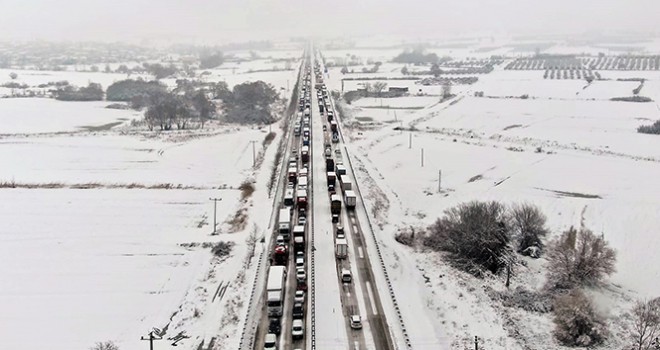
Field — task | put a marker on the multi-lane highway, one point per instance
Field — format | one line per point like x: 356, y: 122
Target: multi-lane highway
x: 341, y: 306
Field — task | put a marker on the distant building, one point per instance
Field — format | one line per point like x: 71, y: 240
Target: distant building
x: 400, y: 90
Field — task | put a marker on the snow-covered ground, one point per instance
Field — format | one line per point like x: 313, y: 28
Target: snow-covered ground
x: 109, y: 263
x: 567, y: 149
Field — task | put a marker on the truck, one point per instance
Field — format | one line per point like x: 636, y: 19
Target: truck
x: 280, y: 255
x: 275, y: 290
x: 302, y: 183
x: 341, y: 248
x: 340, y: 169
x: 298, y: 244
x: 335, y: 204
x: 292, y: 173
x: 333, y: 126
x: 298, y: 231
x: 288, y: 197
x: 331, y: 177
x: 350, y: 199
x: 302, y: 199
x: 304, y: 154
x: 284, y: 226
x: 329, y: 164
x: 346, y: 183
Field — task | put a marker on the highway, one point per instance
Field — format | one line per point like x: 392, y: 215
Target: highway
x: 329, y: 302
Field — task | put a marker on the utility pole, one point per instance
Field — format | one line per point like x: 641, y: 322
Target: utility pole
x: 151, y: 339
x: 254, y: 154
x: 410, y: 140
x: 439, y: 180
x: 422, y: 157
x: 395, y: 120
x: 215, y: 210
x: 476, y: 343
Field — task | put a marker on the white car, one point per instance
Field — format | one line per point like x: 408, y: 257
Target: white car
x: 279, y: 240
x: 356, y: 322
x: 271, y: 342
x: 300, y: 262
x: 297, y: 329
x: 302, y: 220
x: 301, y: 276
x: 299, y: 297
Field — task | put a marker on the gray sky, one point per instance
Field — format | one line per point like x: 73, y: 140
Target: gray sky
x: 221, y: 21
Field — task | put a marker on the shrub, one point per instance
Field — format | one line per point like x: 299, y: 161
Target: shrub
x: 127, y: 90
x: 650, y: 129
x: 108, y: 345
x: 576, y: 321
x: 222, y: 249
x: 247, y: 188
x: 646, y: 324
x: 93, y: 92
x: 579, y: 258
x: 475, y: 234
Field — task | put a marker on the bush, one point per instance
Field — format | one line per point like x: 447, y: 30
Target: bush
x: 650, y: 129
x: 211, y: 61
x: 646, y: 324
x: 93, y: 92
x: 247, y: 188
x: 576, y: 321
x: 579, y: 258
x: 632, y: 99
x: 108, y: 345
x: 526, y: 300
x: 416, y: 56
x: 222, y: 249
x: 475, y: 234
x: 269, y: 138
x: 127, y: 90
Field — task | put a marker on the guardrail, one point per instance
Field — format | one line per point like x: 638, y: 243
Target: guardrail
x: 251, y: 306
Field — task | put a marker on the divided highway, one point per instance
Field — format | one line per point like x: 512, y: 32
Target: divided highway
x: 320, y: 290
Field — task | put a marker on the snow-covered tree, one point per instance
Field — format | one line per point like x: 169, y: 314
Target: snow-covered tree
x: 579, y: 258
x: 108, y: 345
x: 576, y: 321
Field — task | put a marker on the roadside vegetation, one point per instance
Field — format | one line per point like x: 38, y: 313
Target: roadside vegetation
x: 650, y: 129
x: 491, y: 239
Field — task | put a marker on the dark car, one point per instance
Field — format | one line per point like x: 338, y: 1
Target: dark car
x: 298, y: 310
x: 274, y: 326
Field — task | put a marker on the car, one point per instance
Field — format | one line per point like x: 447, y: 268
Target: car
x: 301, y: 276
x: 331, y: 188
x: 297, y: 329
x: 335, y: 218
x: 340, y: 232
x: 300, y: 262
x: 346, y: 276
x: 325, y: 127
x: 294, y: 150
x: 274, y: 326
x: 279, y: 240
x: 302, y: 220
x: 299, y: 296
x: 298, y: 311
x: 356, y: 322
x: 270, y: 343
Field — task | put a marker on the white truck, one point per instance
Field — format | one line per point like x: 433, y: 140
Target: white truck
x: 275, y: 290
x: 350, y: 199
x: 346, y: 183
x: 341, y: 248
x: 284, y: 226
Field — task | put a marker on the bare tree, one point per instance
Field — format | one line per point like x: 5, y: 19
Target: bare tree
x: 379, y: 86
x: 576, y: 321
x: 579, y: 258
x: 528, y: 226
x: 646, y: 324
x: 108, y: 345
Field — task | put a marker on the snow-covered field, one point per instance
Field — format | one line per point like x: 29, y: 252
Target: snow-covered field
x: 109, y: 263
x: 567, y: 149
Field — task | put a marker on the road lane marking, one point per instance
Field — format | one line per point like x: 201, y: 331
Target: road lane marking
x: 353, y: 219
x: 371, y: 298
x: 356, y: 345
x: 360, y: 253
x: 355, y: 229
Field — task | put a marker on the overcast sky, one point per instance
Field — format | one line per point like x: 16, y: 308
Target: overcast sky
x: 220, y: 21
